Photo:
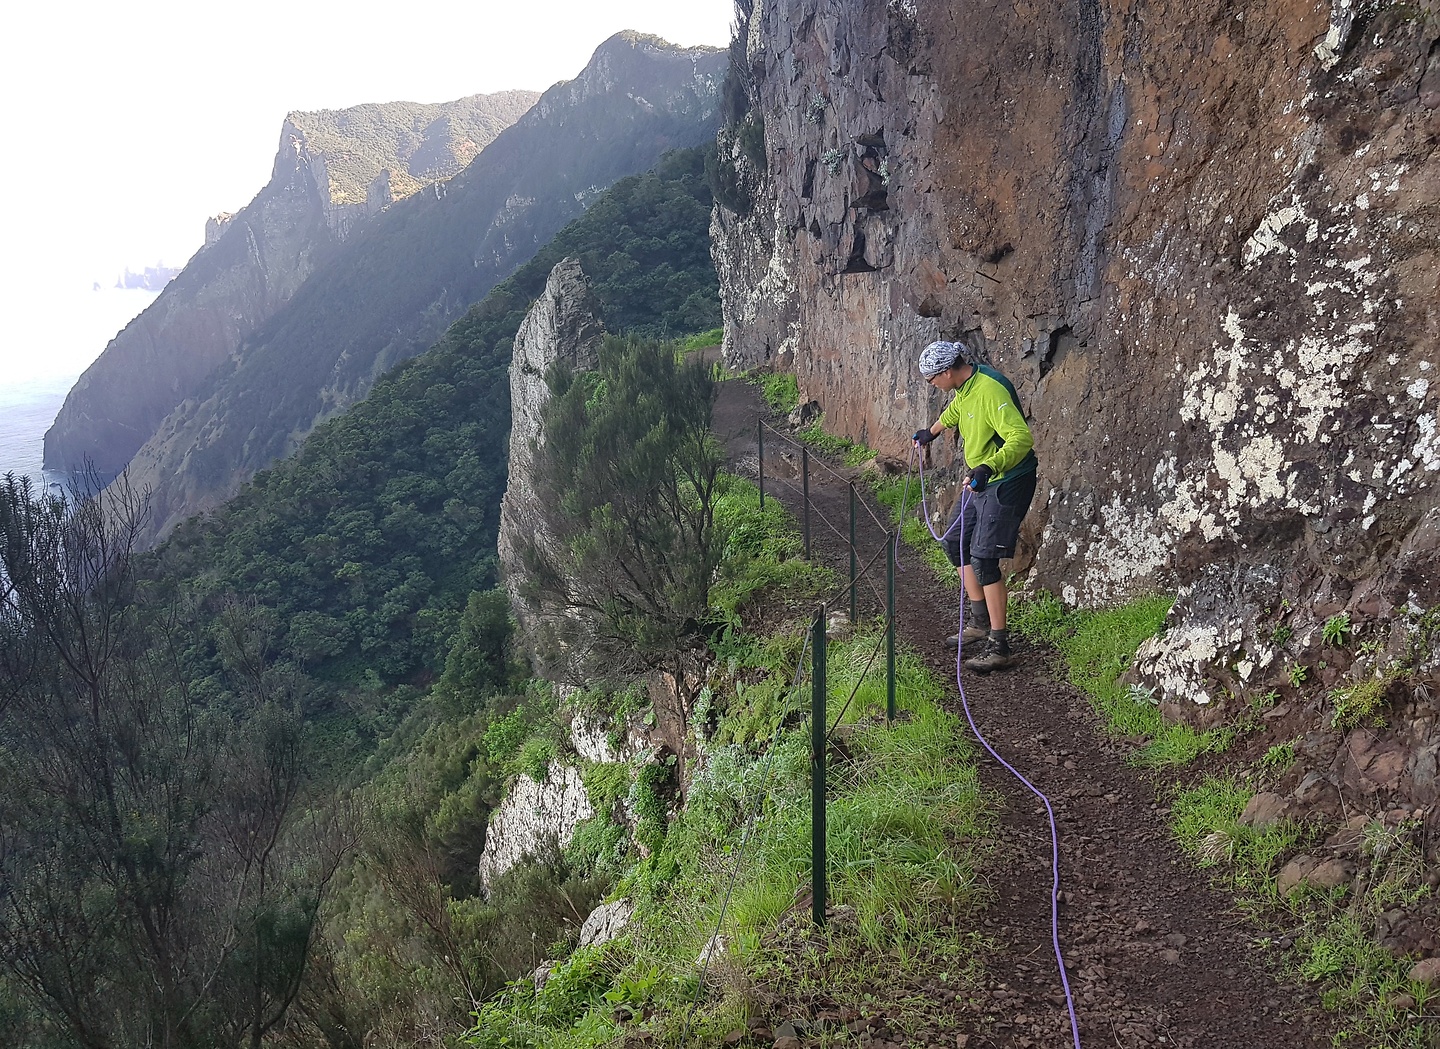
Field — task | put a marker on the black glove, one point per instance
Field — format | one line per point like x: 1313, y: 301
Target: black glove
x: 923, y: 437
x: 979, y: 478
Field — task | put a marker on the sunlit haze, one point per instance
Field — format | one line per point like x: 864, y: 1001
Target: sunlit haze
x: 128, y: 125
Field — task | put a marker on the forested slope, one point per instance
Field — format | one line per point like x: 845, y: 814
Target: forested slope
x: 364, y: 545
x: 387, y: 294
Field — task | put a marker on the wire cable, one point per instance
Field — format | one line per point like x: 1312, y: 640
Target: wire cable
x: 879, y: 640
x: 839, y: 534
x: 818, y: 460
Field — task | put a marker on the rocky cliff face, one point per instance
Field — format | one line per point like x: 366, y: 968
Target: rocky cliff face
x: 563, y: 327
x: 388, y: 292
x: 1202, y: 241
x: 253, y: 262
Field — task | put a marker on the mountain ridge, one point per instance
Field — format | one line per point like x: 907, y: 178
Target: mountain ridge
x: 250, y: 266
x: 388, y: 294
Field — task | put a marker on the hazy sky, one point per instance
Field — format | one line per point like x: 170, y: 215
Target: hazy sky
x: 127, y: 124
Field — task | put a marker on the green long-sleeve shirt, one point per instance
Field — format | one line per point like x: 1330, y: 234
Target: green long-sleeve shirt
x: 986, y: 410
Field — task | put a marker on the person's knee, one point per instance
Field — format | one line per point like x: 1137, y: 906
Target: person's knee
x: 987, y: 570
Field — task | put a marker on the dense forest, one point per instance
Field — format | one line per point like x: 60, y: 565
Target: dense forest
x: 363, y: 547
x: 223, y: 765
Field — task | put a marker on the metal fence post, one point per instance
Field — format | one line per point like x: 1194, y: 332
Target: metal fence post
x: 805, y: 491
x: 890, y: 628
x: 852, y: 553
x: 817, y: 767
x: 760, y: 456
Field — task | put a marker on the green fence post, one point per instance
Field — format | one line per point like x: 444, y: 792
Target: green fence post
x: 805, y: 492
x: 890, y: 628
x: 817, y: 768
x: 760, y: 456
x: 852, y: 554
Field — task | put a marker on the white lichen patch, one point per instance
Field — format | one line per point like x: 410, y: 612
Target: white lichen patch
x: 1175, y: 661
x: 1130, y: 546
x: 1266, y: 238
x: 1427, y: 447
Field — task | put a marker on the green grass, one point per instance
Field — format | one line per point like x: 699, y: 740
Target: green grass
x: 762, y: 552
x: 1365, y: 984
x: 703, y: 340
x: 901, y: 496
x: 906, y: 822
x: 1098, y: 646
x: 851, y: 453
x: 781, y: 391
x: 906, y: 825
x: 1333, y: 945
x: 1205, y: 819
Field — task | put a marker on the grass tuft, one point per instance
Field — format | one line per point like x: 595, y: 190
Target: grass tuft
x: 781, y: 391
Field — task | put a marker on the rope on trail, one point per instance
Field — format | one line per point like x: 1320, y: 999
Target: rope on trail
x: 1050, y: 811
x: 827, y: 468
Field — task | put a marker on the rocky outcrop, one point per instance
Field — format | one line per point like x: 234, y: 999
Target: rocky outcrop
x: 1201, y: 240
x: 533, y: 816
x: 389, y: 292
x: 562, y: 327
x: 253, y: 262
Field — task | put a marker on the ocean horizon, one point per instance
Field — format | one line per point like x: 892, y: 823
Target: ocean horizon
x: 59, y: 334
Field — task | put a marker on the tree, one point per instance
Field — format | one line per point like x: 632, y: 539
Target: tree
x: 631, y: 473
x: 158, y: 884
x: 479, y: 659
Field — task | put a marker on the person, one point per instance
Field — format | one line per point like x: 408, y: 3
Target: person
x: 1000, y: 455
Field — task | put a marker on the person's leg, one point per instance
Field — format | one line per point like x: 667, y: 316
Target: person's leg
x: 995, y: 598
x: 957, y: 549
x: 998, y: 528
x: 987, y: 574
x: 973, y: 590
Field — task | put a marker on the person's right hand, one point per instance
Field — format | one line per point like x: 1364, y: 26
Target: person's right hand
x: 923, y: 437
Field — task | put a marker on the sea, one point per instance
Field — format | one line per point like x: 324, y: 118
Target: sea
x: 50, y: 336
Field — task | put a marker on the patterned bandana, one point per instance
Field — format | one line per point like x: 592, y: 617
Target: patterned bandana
x: 940, y: 356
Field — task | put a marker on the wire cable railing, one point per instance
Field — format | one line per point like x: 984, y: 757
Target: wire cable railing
x: 817, y: 644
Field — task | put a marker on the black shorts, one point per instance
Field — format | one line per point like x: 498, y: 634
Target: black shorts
x: 992, y: 520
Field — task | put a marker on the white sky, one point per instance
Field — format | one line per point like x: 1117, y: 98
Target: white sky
x: 126, y: 125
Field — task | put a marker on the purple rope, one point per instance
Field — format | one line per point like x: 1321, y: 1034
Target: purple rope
x: 1054, y: 832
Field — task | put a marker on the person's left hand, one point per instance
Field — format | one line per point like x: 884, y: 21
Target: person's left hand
x: 979, y: 478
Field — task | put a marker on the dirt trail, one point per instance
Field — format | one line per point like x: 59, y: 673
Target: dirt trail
x: 1154, y: 956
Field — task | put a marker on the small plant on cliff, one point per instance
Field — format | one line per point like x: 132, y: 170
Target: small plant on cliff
x: 831, y: 159
x: 1279, y: 758
x: 1298, y: 673
x: 1336, y: 630
x: 1356, y: 702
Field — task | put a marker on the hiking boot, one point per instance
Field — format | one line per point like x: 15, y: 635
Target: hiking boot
x: 970, y: 633
x: 990, y: 658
